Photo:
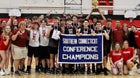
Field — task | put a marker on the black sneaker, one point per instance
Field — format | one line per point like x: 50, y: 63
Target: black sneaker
x: 17, y: 73
x: 98, y: 71
x: 93, y: 70
x: 89, y: 71
x: 37, y: 70
x: 58, y: 71
x: 47, y: 70
x: 138, y: 66
x: 28, y: 72
x: 105, y: 71
x: 51, y: 71
x: 12, y: 69
x: 43, y: 70
x: 21, y: 71
x: 82, y: 71
x: 67, y: 71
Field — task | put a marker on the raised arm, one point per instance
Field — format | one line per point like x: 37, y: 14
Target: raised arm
x: 106, y: 35
x: 102, y: 15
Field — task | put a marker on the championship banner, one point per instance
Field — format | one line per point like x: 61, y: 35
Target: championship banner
x: 80, y: 49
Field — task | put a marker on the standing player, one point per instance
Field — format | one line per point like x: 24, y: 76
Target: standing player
x: 85, y: 30
x: 69, y: 29
x: 43, y: 48
x: 53, y: 35
x: 33, y: 47
x: 100, y: 30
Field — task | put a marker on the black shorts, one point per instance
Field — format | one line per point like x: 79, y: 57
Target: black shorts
x: 44, y: 52
x: 53, y: 50
x: 33, y: 51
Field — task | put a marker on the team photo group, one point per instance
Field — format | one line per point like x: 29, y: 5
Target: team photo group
x: 70, y: 44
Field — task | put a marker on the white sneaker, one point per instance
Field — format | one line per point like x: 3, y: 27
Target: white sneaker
x: 130, y: 73
x: 120, y: 73
x: 138, y: 71
x: 7, y: 72
x: 2, y: 73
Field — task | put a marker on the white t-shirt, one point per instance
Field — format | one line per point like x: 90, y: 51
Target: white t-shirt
x: 44, y: 41
x: 34, y: 38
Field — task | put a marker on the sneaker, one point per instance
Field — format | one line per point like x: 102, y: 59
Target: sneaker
x: 2, y: 73
x: 21, y: 71
x: 58, y: 71
x: 7, y: 72
x: 47, y: 70
x: 82, y: 71
x: 51, y: 71
x: 67, y: 71
x: 138, y: 66
x: 12, y: 69
x: 43, y: 71
x: 93, y: 69
x: 130, y: 73
x: 37, y: 70
x: 105, y: 71
x: 28, y: 72
x: 98, y: 71
x: 138, y: 70
x: 17, y: 73
x: 89, y: 71
x: 120, y: 73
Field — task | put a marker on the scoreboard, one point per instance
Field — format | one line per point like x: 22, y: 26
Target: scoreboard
x: 105, y: 2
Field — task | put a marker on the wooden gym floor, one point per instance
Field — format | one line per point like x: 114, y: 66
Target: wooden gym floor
x: 37, y: 75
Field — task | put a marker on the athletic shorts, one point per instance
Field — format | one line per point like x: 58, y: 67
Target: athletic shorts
x: 33, y: 51
x: 44, y: 52
x: 53, y: 50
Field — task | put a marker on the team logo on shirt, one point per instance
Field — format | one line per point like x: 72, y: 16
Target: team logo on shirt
x: 136, y: 36
x: 117, y: 54
x: 126, y: 52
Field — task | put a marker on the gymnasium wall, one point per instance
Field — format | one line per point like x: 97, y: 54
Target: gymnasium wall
x: 57, y: 6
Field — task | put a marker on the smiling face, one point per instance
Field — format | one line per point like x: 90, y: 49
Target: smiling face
x: 86, y: 23
x: 99, y: 26
x: 43, y: 23
x: 74, y: 19
x: 118, y: 23
x: 15, y: 22
x: 3, y: 23
x: 35, y: 26
x: 22, y: 25
x: 133, y: 28
x: 117, y: 46
x: 125, y: 44
x: 125, y: 27
x: 7, y: 29
x: 109, y: 23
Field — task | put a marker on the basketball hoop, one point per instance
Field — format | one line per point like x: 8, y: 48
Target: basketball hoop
x: 130, y: 14
x: 15, y: 12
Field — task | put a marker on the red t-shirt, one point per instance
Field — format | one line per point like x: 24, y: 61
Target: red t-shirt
x: 127, y: 54
x: 117, y: 35
x: 21, y: 40
x: 137, y: 38
x: 115, y: 55
x: 2, y: 45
